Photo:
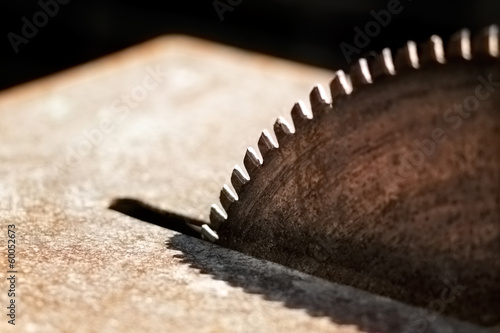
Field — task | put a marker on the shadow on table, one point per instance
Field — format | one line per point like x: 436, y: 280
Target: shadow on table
x: 342, y: 304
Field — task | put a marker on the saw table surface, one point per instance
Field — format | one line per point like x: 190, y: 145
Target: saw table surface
x: 164, y: 123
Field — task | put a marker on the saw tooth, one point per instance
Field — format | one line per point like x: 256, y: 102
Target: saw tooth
x: 281, y: 129
x: 266, y: 143
x: 407, y: 57
x: 382, y: 65
x: 360, y: 73
x: 432, y: 51
x: 209, y: 234
x: 251, y: 161
x: 340, y: 85
x: 459, y: 45
x: 238, y: 179
x: 217, y: 217
x: 486, y: 43
x: 299, y: 115
x: 318, y: 99
x: 227, y: 197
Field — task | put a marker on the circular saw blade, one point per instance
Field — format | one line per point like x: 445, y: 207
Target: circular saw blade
x: 392, y: 186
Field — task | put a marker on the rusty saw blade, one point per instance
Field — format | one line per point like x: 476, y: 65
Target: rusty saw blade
x: 391, y: 184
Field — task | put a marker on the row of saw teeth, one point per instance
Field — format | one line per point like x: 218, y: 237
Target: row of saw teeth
x: 365, y: 71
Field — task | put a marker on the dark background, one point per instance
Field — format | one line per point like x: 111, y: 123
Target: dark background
x: 305, y: 31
